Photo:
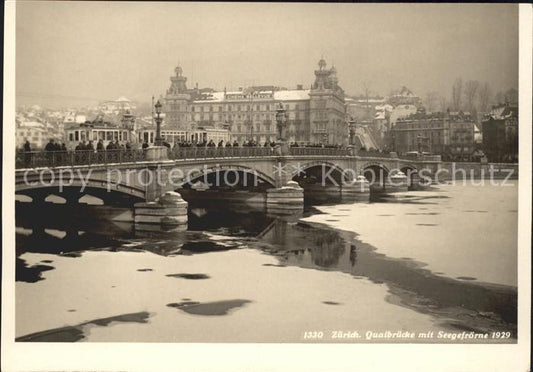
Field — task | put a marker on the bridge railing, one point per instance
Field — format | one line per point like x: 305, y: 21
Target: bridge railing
x: 38, y: 159
x: 376, y: 154
x: 421, y: 157
x: 218, y: 152
x: 306, y: 151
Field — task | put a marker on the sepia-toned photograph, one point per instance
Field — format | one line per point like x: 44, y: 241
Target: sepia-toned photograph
x: 266, y: 173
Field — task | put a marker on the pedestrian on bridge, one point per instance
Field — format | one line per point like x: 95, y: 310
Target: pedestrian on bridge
x: 50, y: 146
x: 27, y: 153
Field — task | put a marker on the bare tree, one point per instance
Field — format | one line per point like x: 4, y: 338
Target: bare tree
x: 432, y: 101
x: 484, y: 97
x: 471, y: 88
x: 443, y: 104
x: 499, y: 98
x: 511, y: 96
x: 457, y: 94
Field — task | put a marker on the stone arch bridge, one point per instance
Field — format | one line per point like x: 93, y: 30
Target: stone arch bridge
x: 146, y: 175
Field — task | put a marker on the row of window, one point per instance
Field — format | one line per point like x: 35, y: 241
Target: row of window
x: 96, y: 135
x: 454, y: 126
x: 228, y: 108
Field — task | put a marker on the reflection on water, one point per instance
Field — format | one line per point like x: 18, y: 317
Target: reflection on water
x: 457, y: 303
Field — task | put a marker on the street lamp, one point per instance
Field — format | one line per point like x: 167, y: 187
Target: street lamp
x: 281, y: 121
x: 158, y: 140
x: 352, y: 130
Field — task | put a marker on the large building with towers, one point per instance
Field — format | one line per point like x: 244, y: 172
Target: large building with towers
x: 315, y: 115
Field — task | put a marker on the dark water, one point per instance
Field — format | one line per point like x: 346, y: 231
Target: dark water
x: 454, y: 304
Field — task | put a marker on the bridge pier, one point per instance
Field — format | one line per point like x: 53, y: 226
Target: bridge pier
x: 169, y: 210
x: 397, y: 182
x: 287, y: 199
x: 356, y: 187
x: 415, y: 182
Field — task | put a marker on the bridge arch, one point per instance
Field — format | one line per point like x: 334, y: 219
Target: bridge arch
x: 91, y: 183
x: 411, y: 171
x: 73, y: 194
x: 314, y: 171
x: 375, y: 172
x: 231, y: 173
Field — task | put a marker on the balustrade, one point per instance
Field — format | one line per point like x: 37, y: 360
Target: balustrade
x: 41, y: 159
x: 38, y: 159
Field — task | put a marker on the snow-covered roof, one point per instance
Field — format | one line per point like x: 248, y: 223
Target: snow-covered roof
x: 405, y: 108
x: 32, y: 124
x: 404, y: 92
x: 380, y: 115
x: 385, y: 107
x: 212, y: 97
x: 122, y: 99
x: 282, y: 95
x: 291, y: 95
x: 360, y: 101
x: 503, y: 112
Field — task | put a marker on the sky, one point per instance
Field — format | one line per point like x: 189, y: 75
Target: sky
x: 77, y: 53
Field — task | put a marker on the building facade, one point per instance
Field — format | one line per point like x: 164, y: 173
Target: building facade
x: 315, y: 115
x: 500, y: 134
x: 450, y: 135
x: 34, y: 132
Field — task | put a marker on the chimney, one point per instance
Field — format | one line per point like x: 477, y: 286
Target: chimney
x: 240, y: 89
x: 299, y: 87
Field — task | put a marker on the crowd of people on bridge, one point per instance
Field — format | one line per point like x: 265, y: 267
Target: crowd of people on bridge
x: 248, y: 143
x: 56, y: 151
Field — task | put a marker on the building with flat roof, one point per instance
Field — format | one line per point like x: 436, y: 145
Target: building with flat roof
x: 315, y: 115
x: 500, y: 133
x: 450, y: 135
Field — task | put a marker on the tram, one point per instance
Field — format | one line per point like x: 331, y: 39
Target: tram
x: 172, y: 136
x: 95, y: 133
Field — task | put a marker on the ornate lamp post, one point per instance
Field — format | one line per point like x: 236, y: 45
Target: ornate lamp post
x: 158, y: 140
x: 351, y: 126
x: 281, y: 122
